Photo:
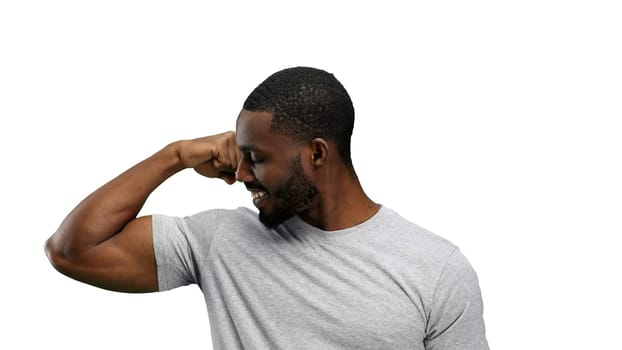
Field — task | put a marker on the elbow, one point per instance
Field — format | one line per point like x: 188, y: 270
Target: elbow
x: 57, y: 254
x: 52, y: 252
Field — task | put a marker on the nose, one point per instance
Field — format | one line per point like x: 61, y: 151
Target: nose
x: 243, y: 172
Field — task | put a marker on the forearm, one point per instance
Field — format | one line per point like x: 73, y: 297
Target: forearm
x: 107, y: 210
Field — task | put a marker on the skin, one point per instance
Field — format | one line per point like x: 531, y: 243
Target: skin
x: 102, y: 242
x: 340, y: 202
x: 270, y: 165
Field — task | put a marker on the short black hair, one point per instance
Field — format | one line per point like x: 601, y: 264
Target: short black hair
x: 306, y: 103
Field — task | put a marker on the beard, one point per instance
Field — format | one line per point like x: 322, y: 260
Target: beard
x: 291, y: 198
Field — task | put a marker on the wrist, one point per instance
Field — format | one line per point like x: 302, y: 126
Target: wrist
x: 169, y: 159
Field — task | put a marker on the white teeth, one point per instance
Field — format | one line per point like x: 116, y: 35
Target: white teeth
x: 257, y: 194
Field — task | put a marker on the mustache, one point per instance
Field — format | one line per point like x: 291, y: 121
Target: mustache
x: 254, y: 186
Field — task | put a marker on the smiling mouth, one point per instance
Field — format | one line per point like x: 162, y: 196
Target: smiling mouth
x: 259, y: 198
x: 257, y: 195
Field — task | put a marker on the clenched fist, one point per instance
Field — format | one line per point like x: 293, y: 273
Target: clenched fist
x: 211, y: 156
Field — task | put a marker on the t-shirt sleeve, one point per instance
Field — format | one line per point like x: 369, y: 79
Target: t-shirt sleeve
x: 174, y: 258
x: 456, y: 317
x: 180, y: 244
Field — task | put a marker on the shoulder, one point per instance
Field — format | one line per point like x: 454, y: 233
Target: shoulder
x: 421, y: 255
x: 403, y: 234
x: 428, y: 260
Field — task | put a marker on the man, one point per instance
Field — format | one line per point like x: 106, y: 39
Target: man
x: 321, y: 267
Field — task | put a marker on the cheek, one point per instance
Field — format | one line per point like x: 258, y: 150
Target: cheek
x: 263, y: 176
x: 269, y: 177
x: 258, y: 173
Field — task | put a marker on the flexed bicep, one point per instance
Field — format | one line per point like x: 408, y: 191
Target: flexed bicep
x: 124, y: 263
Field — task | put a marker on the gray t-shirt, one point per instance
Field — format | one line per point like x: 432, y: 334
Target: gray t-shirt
x: 384, y: 284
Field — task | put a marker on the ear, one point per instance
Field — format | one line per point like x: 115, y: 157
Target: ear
x: 319, y: 151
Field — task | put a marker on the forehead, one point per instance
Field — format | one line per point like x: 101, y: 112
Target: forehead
x: 253, y: 132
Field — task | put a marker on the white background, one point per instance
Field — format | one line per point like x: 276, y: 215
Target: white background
x: 493, y: 124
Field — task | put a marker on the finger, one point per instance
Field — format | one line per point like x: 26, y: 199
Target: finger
x: 234, y: 157
x: 238, y: 156
x: 223, y: 167
x: 207, y: 169
x: 227, y: 160
x: 228, y: 176
x: 231, y: 151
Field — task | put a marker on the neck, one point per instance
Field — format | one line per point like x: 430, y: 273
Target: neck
x: 341, y: 203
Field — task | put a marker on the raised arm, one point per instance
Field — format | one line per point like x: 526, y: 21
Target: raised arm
x: 102, y: 242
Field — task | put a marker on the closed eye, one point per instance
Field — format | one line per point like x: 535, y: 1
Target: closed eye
x: 253, y: 158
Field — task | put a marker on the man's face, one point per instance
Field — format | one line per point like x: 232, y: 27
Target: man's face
x: 271, y: 168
